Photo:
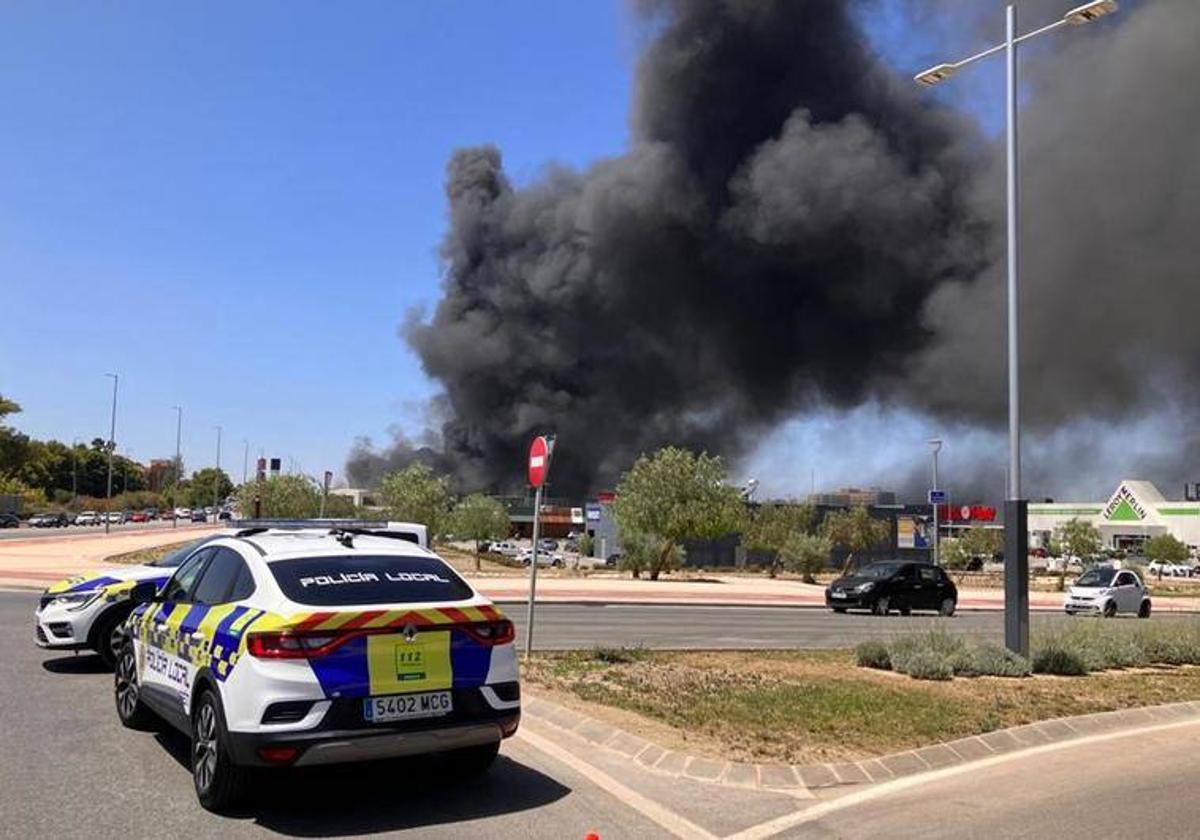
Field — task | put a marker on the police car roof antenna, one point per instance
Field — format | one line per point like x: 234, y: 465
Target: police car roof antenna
x: 346, y: 538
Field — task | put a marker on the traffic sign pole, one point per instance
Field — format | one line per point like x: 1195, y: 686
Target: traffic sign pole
x: 538, y: 468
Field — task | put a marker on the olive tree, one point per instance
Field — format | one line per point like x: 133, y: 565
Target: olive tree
x: 855, y: 530
x: 773, y: 524
x: 1165, y: 549
x: 280, y: 496
x: 479, y: 517
x: 805, y: 554
x: 675, y: 495
x: 417, y: 494
x: 981, y: 542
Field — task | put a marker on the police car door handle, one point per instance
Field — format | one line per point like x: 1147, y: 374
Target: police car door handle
x: 198, y: 637
x: 162, y: 628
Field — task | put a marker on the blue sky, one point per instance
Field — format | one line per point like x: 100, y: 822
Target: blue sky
x: 233, y: 205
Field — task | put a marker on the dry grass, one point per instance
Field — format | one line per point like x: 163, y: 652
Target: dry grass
x: 146, y: 555
x: 800, y: 706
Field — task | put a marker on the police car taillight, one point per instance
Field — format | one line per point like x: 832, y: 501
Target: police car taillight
x: 286, y: 645
x: 492, y: 632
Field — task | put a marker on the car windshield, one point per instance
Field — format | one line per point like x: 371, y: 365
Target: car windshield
x: 180, y: 554
x: 368, y: 579
x: 1096, y: 577
x: 879, y: 570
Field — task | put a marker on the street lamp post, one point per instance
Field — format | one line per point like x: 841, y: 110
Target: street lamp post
x: 178, y: 466
x: 245, y: 460
x: 112, y: 438
x: 217, y: 477
x: 74, y: 473
x: 1016, y: 509
x: 935, y: 444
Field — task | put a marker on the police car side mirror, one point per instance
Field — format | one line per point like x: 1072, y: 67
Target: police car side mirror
x: 144, y: 592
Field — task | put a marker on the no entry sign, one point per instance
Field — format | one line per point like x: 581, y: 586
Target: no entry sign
x: 539, y: 461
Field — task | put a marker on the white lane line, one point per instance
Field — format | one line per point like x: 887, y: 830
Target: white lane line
x: 672, y: 822
x: 772, y: 827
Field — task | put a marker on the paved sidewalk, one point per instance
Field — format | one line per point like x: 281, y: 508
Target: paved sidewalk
x: 34, y: 563
x: 806, y: 780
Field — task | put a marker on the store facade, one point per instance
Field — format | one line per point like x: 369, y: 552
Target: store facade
x: 1135, y: 512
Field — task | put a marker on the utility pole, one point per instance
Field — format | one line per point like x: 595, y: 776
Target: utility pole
x: 245, y: 460
x: 112, y: 444
x: 178, y: 467
x: 217, y: 478
x: 74, y: 472
x: 936, y: 445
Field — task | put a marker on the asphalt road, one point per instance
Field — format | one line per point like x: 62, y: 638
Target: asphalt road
x: 70, y: 770
x: 1140, y: 785
x: 575, y: 626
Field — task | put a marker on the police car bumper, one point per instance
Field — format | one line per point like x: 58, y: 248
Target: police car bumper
x: 343, y: 736
x: 61, y: 628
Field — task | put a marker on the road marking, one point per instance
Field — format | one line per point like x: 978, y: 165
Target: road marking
x: 672, y: 822
x: 772, y: 827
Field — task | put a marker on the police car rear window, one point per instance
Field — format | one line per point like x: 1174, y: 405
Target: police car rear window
x: 367, y: 579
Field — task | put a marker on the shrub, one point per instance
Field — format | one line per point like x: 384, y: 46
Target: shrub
x: 873, y: 654
x: 995, y: 661
x: 927, y: 664
x: 1055, y: 658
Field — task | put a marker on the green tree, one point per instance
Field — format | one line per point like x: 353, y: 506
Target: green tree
x: 953, y: 553
x: 206, y: 485
x: 805, y: 554
x: 641, y: 551
x: 982, y: 542
x: 772, y: 524
x: 281, y: 497
x: 855, y: 530
x: 417, y: 494
x: 586, y: 544
x: 30, y: 498
x: 675, y: 495
x: 1165, y: 549
x: 479, y: 517
x: 1075, y: 539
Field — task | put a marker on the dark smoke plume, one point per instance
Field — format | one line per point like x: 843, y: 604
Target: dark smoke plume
x: 797, y: 228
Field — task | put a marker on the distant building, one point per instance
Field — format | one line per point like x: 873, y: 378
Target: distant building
x: 1135, y: 512
x: 360, y: 498
x: 852, y: 497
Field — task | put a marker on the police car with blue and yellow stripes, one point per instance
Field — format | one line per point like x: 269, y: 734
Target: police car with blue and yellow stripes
x: 318, y: 644
x: 88, y: 612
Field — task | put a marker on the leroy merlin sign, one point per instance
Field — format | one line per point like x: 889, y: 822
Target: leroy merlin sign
x: 1124, y: 507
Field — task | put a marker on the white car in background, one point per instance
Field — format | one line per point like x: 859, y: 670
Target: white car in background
x: 508, y: 548
x: 1169, y: 569
x: 1105, y: 591
x: 544, y: 558
x: 88, y: 517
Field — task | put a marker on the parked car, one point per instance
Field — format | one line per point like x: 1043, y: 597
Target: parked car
x: 88, y: 517
x: 894, y: 585
x: 286, y: 673
x: 199, y: 516
x: 1103, y: 590
x: 115, y: 516
x: 547, y: 544
x: 544, y: 558
x: 224, y: 515
x: 139, y: 516
x: 1169, y: 569
x: 183, y: 513
x: 613, y: 559
x: 506, y: 547
x: 49, y: 520
x: 9, y: 520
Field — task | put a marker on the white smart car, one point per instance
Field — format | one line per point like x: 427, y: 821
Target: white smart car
x: 88, y: 612
x: 1103, y: 590
x: 304, y: 646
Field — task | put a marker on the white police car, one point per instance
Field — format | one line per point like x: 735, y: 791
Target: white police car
x: 87, y: 612
x: 296, y: 647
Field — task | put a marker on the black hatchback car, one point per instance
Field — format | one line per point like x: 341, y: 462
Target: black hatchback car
x: 894, y: 585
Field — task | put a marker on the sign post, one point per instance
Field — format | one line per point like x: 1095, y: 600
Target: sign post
x: 937, y: 498
x: 539, y: 467
x: 325, y: 491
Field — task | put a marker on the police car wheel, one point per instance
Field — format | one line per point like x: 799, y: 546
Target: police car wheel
x: 130, y: 708
x: 109, y: 636
x: 219, y: 782
x: 472, y: 761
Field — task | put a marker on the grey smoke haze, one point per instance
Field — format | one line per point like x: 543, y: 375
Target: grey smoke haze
x: 796, y: 228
